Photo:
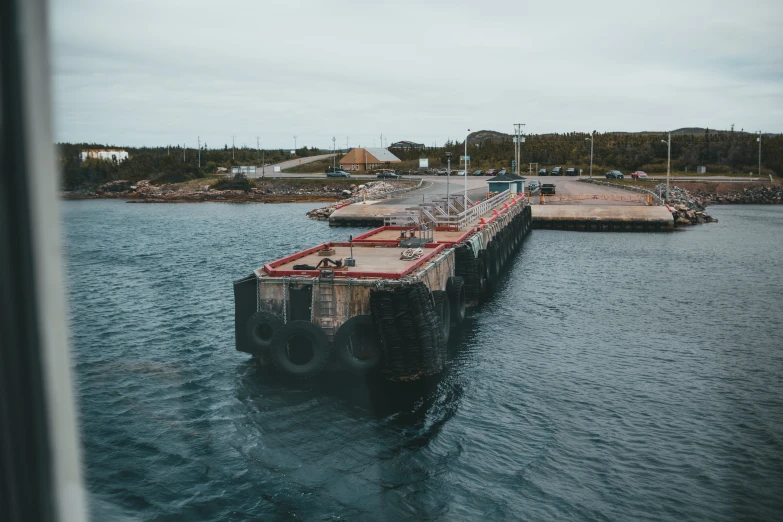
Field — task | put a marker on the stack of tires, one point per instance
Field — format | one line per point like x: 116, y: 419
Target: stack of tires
x: 414, y: 325
x: 481, y: 272
x: 302, y: 349
x: 471, y: 269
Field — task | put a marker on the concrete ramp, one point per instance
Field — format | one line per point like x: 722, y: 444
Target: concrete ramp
x: 603, y: 218
x: 360, y: 214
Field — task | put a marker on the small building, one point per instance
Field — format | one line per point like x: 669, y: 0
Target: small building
x: 406, y: 145
x: 115, y: 155
x: 512, y: 182
x: 368, y: 159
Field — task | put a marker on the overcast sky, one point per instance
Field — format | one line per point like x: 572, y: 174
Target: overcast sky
x: 159, y: 72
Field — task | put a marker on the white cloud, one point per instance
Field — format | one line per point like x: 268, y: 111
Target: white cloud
x: 152, y: 72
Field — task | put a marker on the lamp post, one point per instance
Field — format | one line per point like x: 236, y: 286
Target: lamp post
x: 465, y: 201
x: 592, y: 139
x: 448, y: 175
x: 668, y: 163
x: 759, y: 140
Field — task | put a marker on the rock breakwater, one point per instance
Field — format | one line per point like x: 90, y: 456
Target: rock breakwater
x: 686, y: 210
x: 753, y: 195
x: 369, y: 190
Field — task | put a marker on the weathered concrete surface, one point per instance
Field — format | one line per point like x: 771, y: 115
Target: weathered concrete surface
x: 602, y: 217
x: 372, y: 213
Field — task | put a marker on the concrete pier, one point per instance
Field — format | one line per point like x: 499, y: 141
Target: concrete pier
x: 602, y: 217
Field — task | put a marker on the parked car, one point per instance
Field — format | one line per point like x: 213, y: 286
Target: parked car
x: 478, y: 172
x: 462, y: 173
x: 337, y: 174
x: 533, y: 185
x: 614, y: 174
x: 571, y: 171
x: 332, y: 169
x: 639, y: 174
x: 387, y: 175
x: 557, y: 171
x: 502, y: 172
x: 548, y: 188
x: 542, y: 172
x: 443, y: 172
x: 490, y: 172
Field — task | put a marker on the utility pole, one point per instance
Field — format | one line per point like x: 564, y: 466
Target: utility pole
x: 294, y: 143
x: 334, y: 153
x: 233, y: 146
x: 199, y: 152
x: 184, y: 145
x: 258, y: 148
x: 346, y: 144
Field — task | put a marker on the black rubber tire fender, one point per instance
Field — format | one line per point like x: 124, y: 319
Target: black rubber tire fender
x: 484, y: 257
x: 279, y: 351
x: 483, y: 279
x: 494, y: 261
x: 455, y: 288
x: 443, y: 311
x: 261, y: 328
x: 343, y: 344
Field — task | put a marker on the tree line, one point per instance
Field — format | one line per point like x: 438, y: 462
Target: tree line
x: 722, y: 152
x: 170, y: 164
x: 725, y: 152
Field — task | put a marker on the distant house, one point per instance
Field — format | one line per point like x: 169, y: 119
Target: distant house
x: 512, y: 182
x: 368, y: 159
x: 115, y: 155
x: 406, y: 145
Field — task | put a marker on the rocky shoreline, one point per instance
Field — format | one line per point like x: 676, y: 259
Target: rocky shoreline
x: 145, y: 192
x: 753, y: 195
x: 690, y: 208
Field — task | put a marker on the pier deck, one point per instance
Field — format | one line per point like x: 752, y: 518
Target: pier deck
x: 602, y: 217
x: 373, y: 260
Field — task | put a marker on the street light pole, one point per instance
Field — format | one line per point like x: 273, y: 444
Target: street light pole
x: 591, y: 138
x: 592, y: 141
x: 668, y: 163
x: 199, y: 152
x: 448, y: 176
x: 759, y: 140
x: 465, y: 201
x: 334, y: 153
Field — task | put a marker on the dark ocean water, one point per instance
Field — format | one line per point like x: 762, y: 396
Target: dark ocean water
x: 612, y: 377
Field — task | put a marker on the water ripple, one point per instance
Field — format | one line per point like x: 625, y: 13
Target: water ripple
x: 613, y: 377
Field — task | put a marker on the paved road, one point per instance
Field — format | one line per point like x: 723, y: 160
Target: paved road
x: 270, y: 171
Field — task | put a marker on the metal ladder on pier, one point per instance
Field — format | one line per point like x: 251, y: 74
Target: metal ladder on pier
x: 326, y: 305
